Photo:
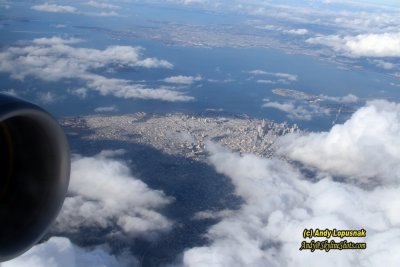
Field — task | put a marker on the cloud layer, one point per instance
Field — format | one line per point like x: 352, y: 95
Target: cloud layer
x: 54, y: 59
x: 280, y: 199
x: 368, y: 140
x: 103, y: 194
x: 181, y: 79
x: 304, y: 106
x: 280, y: 77
x: 303, y: 111
x: 60, y: 252
x: 112, y: 108
x: 53, y: 8
x: 102, y: 5
x: 362, y: 45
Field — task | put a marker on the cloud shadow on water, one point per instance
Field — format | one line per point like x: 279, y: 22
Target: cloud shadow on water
x: 195, y: 187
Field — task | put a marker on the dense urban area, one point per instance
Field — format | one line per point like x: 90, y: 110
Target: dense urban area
x: 186, y: 135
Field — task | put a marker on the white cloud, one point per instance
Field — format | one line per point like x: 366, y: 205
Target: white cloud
x: 296, y: 112
x: 284, y: 77
x: 102, y: 5
x: 266, y: 81
x: 53, y: 59
x: 362, y: 45
x: 79, y: 92
x: 126, y: 89
x: 347, y: 99
x: 305, y: 97
x: 365, y: 147
x: 47, y: 97
x: 281, y: 29
x: 105, y: 14
x: 11, y: 92
x: 53, y: 8
x: 287, y: 76
x: 368, y: 3
x: 350, y: 98
x: 103, y: 193
x: 60, y: 26
x: 181, y: 79
x: 60, y: 252
x: 384, y: 64
x: 297, y: 31
x: 258, y: 72
x: 189, y: 2
x: 106, y: 109
x: 303, y: 111
x: 368, y: 21
x: 209, y: 214
x: 280, y: 202
x: 354, y: 16
x: 55, y: 40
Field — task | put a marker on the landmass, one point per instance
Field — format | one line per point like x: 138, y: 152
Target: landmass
x: 185, y: 135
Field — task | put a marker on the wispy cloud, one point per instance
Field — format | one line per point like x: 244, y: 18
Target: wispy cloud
x: 102, y: 5
x: 104, y: 14
x: 286, y: 30
x: 48, y: 97
x: 61, y: 252
x: 347, y: 99
x: 126, y: 89
x: 297, y: 31
x: 282, y: 77
x: 52, y: 59
x: 384, y: 64
x: 11, y: 92
x: 190, y: 2
x: 287, y: 76
x: 300, y: 111
x: 305, y: 97
x: 362, y: 45
x: 106, y: 109
x: 209, y: 214
x: 266, y: 81
x: 181, y: 79
x: 55, y: 59
x: 55, y: 40
x: 367, y: 21
x: 79, y: 92
x: 54, y: 8
x: 304, y: 106
x: 258, y: 72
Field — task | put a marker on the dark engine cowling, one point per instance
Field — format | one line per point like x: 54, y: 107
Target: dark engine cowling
x: 34, y: 174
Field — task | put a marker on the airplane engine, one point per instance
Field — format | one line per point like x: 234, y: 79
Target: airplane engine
x: 34, y: 174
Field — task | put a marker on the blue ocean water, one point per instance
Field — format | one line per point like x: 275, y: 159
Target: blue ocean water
x: 226, y: 83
